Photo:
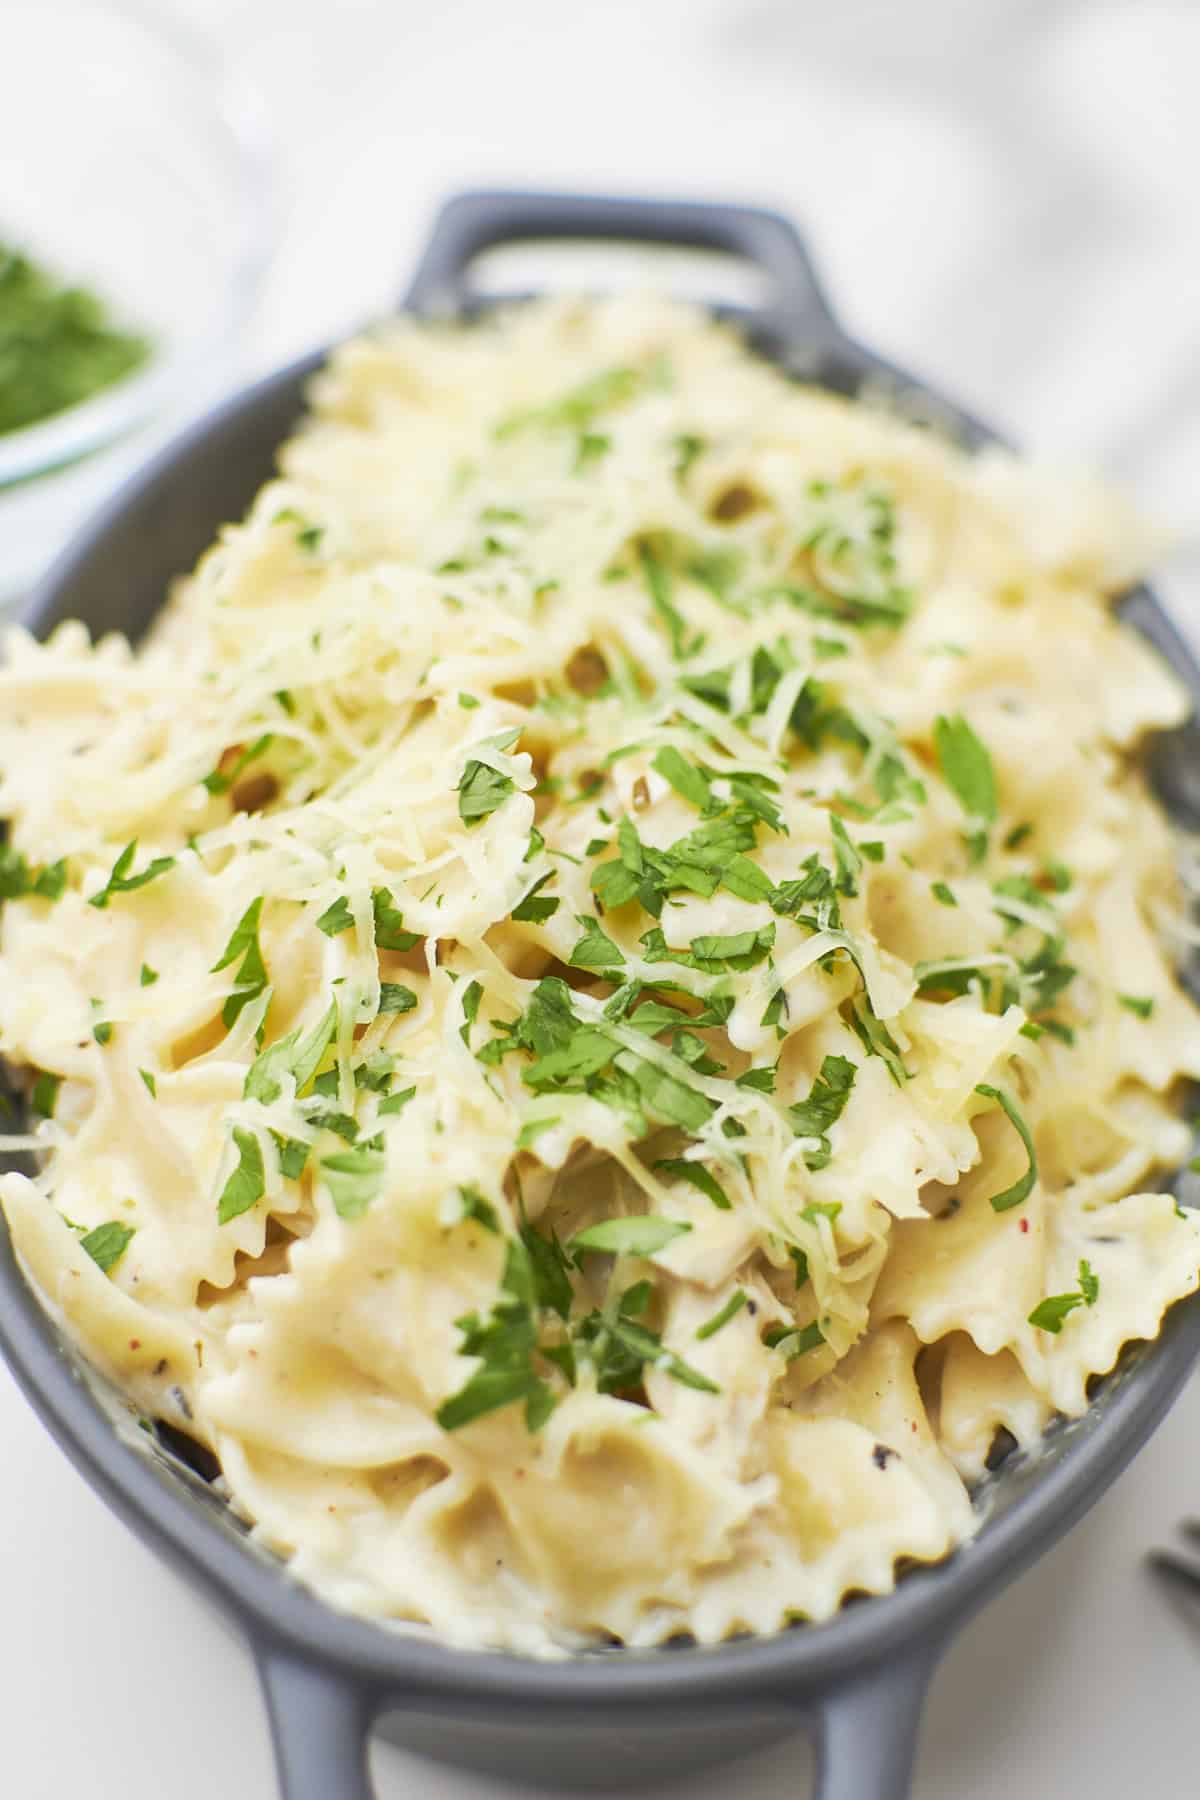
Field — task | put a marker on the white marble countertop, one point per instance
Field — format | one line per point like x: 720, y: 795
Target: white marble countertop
x: 1001, y: 195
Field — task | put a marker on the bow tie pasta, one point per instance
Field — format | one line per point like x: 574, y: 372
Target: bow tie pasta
x: 598, y: 996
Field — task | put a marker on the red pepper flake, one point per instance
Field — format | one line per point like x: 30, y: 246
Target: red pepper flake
x: 135, y: 1343
x: 1024, y: 1224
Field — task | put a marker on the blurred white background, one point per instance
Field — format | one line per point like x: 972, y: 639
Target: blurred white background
x: 1002, y: 195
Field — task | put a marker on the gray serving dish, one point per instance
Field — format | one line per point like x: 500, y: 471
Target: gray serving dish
x: 611, y: 1716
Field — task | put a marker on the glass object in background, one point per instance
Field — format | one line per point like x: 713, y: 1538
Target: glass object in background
x: 133, y: 164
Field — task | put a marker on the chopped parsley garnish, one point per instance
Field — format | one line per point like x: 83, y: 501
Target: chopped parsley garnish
x: 731, y: 1308
x: 533, y: 1129
x: 629, y: 1237
x: 687, y: 780
x: 791, y: 1342
x: 292, y: 1055
x: 698, y: 1176
x: 336, y: 918
x: 657, y: 574
x: 595, y: 949
x: 533, y: 910
x: 481, y: 790
x: 106, y: 1244
x: 713, y: 952
x: 251, y: 977
x: 590, y: 447
x: 506, y: 1343
x: 247, y: 1184
x: 121, y: 881
x: 50, y: 882
x: 1052, y: 1313
x: 472, y: 995
x: 219, y: 781
x: 847, y: 861
x: 619, y: 1349
x: 293, y: 1155
x: 576, y: 410
x: 395, y: 1103
x: 943, y: 894
x: 687, y: 448
x: 151, y: 1084
x: 966, y: 767
x: 44, y: 1097
x: 394, y: 997
x: 1141, y: 1004
x: 469, y: 1203
x: 147, y: 976
x: 60, y: 342
x: 1022, y: 1188
x: 814, y: 1117
x: 354, y: 1178
x: 389, y: 923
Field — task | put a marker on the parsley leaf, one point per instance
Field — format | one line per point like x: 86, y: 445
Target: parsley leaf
x: 395, y: 1103
x: 336, y: 918
x: 482, y: 788
x: 731, y: 1308
x: 247, y: 1183
x: 106, y: 1244
x: 1141, y: 1004
x: 698, y: 1176
x: 791, y: 1343
x: 121, y: 881
x: 472, y: 995
x: 846, y: 858
x: 1051, y: 1313
x: 389, y: 923
x: 289, y: 1056
x: 966, y: 767
x: 643, y: 1346
x: 354, y: 1178
x: 50, y: 883
x: 656, y: 572
x: 251, y: 977
x: 595, y: 949
x: 394, y: 997
x: 533, y: 1129
x: 218, y: 783
x: 641, y: 1236
x: 684, y: 776
x: 1022, y: 1188
x: 44, y: 1097
x: 534, y: 911
x: 473, y: 1205
x: 293, y: 1155
x: 812, y: 1118
x: 505, y: 1341
x: 875, y: 1037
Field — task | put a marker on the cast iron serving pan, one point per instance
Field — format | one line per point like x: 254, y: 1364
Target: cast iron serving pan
x: 610, y: 1715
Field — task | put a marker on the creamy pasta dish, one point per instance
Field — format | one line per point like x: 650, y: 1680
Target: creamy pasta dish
x: 597, y: 1000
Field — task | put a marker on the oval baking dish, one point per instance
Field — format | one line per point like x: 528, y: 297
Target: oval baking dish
x: 604, y: 1715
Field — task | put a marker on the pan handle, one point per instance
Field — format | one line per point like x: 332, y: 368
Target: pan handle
x: 319, y: 1726
x: 867, y: 1730
x: 475, y: 221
